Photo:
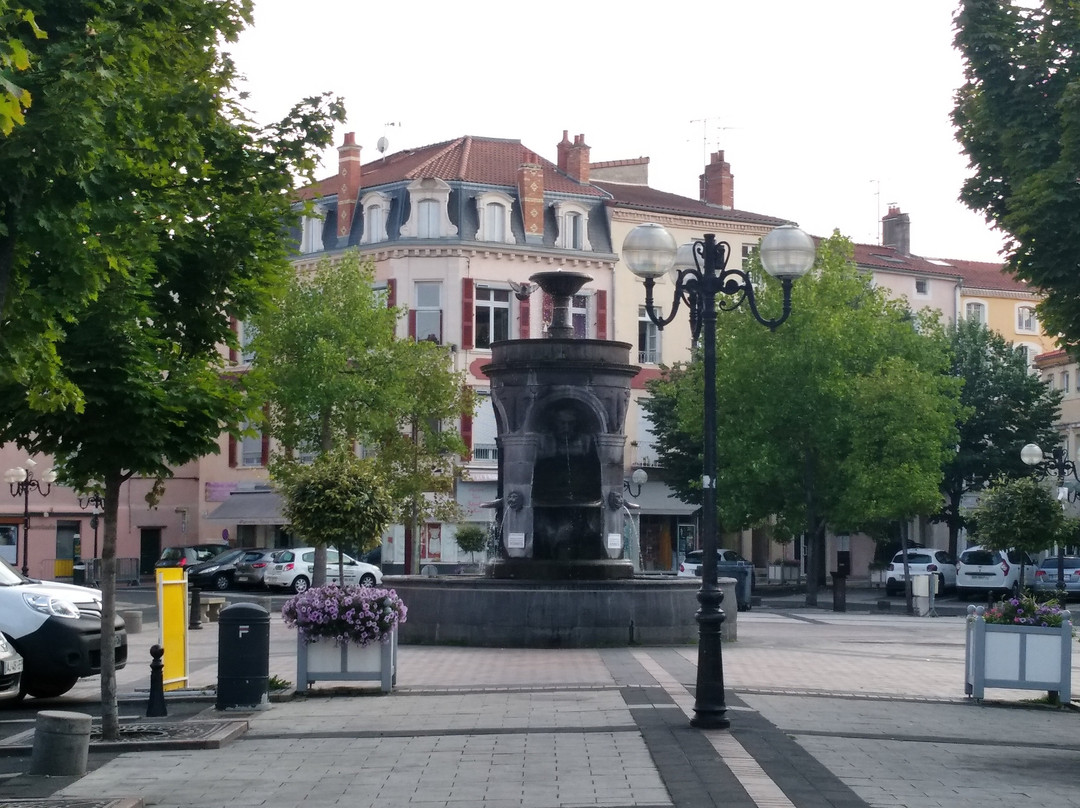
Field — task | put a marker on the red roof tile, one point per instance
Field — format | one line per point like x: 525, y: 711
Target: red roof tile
x: 642, y: 197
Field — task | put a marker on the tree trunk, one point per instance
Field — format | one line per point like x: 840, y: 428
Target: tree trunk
x: 110, y: 711
x: 954, y: 523
x: 326, y: 444
x: 812, y: 552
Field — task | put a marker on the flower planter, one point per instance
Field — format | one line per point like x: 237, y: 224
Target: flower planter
x: 323, y: 661
x: 1017, y: 657
x: 780, y: 573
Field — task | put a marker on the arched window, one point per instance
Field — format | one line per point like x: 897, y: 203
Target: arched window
x: 428, y: 216
x: 494, y: 208
x: 375, y: 206
x: 573, y: 219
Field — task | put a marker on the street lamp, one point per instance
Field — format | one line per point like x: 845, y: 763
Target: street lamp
x: 97, y: 502
x: 1059, y: 463
x: 787, y: 254
x: 638, y: 478
x: 21, y: 480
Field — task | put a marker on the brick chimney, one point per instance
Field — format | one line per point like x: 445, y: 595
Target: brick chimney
x: 718, y: 183
x: 348, y: 184
x: 573, y: 157
x: 530, y: 183
x: 896, y: 230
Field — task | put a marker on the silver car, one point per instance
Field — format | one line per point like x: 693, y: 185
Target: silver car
x: 251, y: 568
x: 1046, y: 576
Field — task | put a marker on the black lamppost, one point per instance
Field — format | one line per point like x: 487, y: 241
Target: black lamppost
x: 787, y: 253
x: 21, y: 481
x: 97, y: 502
x: 1059, y: 463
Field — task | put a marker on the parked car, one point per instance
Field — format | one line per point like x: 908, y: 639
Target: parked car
x: 921, y: 561
x: 251, y: 569
x: 217, y: 573
x: 981, y: 571
x: 11, y: 667
x: 691, y: 565
x: 189, y: 555
x: 56, y: 629
x: 1046, y: 576
x: 294, y: 568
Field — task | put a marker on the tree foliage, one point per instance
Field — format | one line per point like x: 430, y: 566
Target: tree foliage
x: 841, y: 417
x: 17, y: 27
x: 471, y: 537
x: 1007, y: 406
x: 1018, y: 513
x: 333, y: 373
x: 338, y: 500
x: 140, y: 211
x: 1018, y: 118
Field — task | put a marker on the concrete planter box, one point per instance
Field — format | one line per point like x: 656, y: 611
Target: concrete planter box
x: 324, y: 661
x: 877, y: 577
x: 783, y: 573
x: 1017, y: 657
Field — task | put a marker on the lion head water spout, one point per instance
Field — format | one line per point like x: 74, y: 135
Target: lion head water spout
x: 560, y: 405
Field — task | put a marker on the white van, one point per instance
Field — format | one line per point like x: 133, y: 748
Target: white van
x: 981, y: 570
x: 56, y: 628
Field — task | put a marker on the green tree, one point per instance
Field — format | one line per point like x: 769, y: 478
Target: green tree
x: 1019, y: 514
x: 841, y: 417
x: 1018, y: 119
x: 471, y: 538
x: 140, y: 211
x: 333, y: 373
x: 1006, y: 405
x: 338, y: 499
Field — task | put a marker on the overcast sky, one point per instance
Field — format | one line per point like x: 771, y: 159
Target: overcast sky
x: 828, y: 111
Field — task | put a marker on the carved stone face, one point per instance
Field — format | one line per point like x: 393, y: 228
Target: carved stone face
x: 515, y: 500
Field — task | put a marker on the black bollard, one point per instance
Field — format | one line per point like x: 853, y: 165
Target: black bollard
x: 195, y: 619
x: 156, y: 705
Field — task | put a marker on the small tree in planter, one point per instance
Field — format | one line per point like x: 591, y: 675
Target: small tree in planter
x: 471, y: 538
x: 1017, y: 514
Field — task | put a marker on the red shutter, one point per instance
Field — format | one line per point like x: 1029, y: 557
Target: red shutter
x: 548, y: 312
x: 467, y: 301
x: 523, y: 319
x: 391, y: 293
x: 412, y: 323
x: 601, y: 314
x: 232, y: 451
x: 466, y: 436
x: 265, y: 450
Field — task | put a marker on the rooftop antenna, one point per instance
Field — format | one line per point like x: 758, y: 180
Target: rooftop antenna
x: 877, y: 194
x: 705, y: 136
x: 383, y: 144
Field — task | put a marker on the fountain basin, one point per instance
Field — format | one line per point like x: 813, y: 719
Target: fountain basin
x: 511, y: 613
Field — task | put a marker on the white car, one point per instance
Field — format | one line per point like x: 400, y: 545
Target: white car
x: 921, y: 560
x: 56, y: 629
x: 981, y: 571
x: 294, y: 569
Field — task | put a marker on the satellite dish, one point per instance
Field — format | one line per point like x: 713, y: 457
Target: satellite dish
x: 382, y: 144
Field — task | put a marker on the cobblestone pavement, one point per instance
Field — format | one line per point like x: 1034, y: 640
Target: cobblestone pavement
x: 826, y: 709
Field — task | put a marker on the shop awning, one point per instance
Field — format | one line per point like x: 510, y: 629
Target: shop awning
x: 250, y: 508
x: 659, y: 500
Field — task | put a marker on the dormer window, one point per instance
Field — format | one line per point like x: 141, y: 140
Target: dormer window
x: 428, y: 216
x: 311, y: 232
x: 573, y: 219
x: 494, y: 208
x: 375, y: 206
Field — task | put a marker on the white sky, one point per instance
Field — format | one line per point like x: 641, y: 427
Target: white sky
x: 827, y: 111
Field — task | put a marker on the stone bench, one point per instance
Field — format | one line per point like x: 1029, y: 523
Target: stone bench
x: 210, y: 607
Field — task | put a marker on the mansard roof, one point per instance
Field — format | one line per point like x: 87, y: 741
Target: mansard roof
x: 642, y: 197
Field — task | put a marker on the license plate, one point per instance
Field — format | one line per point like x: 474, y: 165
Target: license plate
x: 118, y: 640
x: 11, y: 666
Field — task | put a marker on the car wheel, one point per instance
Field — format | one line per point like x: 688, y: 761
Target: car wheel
x: 367, y: 579
x: 41, y: 687
x: 221, y: 582
x: 891, y: 589
x: 300, y: 584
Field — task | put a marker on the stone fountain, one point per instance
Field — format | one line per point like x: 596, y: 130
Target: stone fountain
x: 562, y: 577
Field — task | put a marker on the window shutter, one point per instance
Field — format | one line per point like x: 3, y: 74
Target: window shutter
x: 232, y: 451
x: 523, y: 319
x: 548, y: 311
x: 467, y: 325
x: 601, y: 314
x: 467, y: 436
x: 391, y: 293
x: 412, y: 323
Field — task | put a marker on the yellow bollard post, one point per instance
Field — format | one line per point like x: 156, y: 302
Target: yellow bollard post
x: 172, y: 598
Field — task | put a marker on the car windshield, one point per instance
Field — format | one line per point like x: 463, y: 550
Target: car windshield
x: 225, y: 558
x: 9, y: 576
x: 1051, y: 563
